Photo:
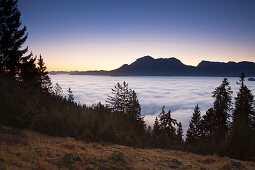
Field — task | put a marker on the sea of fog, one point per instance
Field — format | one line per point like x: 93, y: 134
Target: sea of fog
x: 179, y: 94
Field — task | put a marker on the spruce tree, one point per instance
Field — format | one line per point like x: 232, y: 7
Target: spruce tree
x: 134, y: 108
x: 118, y: 102
x: 194, y: 131
x: 57, y: 90
x: 44, y: 79
x: 28, y: 72
x: 167, y: 123
x: 11, y: 38
x: 221, y: 108
x: 125, y: 101
x: 70, y: 97
x: 156, y: 128
x: 240, y: 140
x: 208, y: 124
x: 179, y: 132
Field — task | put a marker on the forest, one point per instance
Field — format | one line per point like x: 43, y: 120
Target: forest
x: 29, y: 100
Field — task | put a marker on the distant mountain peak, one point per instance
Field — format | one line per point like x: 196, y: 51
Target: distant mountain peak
x: 149, y: 66
x: 145, y: 58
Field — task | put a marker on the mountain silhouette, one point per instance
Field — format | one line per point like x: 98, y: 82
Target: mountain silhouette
x: 148, y: 66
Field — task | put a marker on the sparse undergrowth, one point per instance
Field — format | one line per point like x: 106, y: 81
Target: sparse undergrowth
x: 25, y: 149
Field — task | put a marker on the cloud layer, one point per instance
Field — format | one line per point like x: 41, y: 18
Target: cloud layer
x: 179, y: 94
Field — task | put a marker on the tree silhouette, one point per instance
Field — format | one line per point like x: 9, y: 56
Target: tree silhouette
x: 134, y: 108
x: 11, y: 38
x: 44, y: 79
x: 124, y: 100
x: 208, y: 123
x: 242, y: 126
x: 70, y: 95
x: 179, y: 132
x: 167, y: 123
x: 28, y: 72
x: 118, y: 102
x: 194, y: 131
x: 57, y: 90
x: 221, y: 108
x: 156, y: 128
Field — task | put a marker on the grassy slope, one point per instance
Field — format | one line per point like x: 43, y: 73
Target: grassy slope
x: 30, y: 150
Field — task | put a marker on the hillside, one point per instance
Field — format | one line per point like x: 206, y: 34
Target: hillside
x: 27, y: 149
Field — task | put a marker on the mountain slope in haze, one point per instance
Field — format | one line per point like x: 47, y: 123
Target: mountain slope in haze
x: 148, y: 66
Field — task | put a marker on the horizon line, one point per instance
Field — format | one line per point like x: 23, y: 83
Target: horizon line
x: 53, y: 70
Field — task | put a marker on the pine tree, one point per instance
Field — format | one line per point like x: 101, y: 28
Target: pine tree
x: 179, y: 132
x: 241, y: 131
x: 194, y: 131
x: 156, y: 128
x: 208, y: 123
x: 221, y: 108
x: 124, y: 100
x: 28, y: 72
x: 134, y: 108
x: 44, y: 79
x: 149, y: 131
x: 119, y: 101
x: 167, y: 123
x: 11, y: 38
x: 57, y: 90
x: 70, y: 95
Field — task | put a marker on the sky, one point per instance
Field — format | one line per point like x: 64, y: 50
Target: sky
x: 105, y: 34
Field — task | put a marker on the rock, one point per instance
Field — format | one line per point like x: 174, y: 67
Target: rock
x: 208, y: 161
x: 68, y: 159
x: 174, y: 164
x: 118, y: 156
x: 234, y: 165
x: 176, y: 161
x: 237, y: 164
x: 188, y: 167
x: 77, y: 156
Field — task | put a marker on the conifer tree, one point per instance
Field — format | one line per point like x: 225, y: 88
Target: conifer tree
x: 194, y: 131
x: 70, y: 95
x: 124, y: 100
x: 28, y: 71
x: 167, y: 123
x: 179, y: 132
x: 241, y: 131
x: 208, y: 123
x: 119, y: 101
x: 57, y: 90
x: 221, y: 108
x: 134, y: 108
x: 44, y: 79
x: 11, y: 38
x: 156, y: 128
x: 149, y: 131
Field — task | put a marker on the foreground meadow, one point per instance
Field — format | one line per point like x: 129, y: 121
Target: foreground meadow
x: 25, y: 149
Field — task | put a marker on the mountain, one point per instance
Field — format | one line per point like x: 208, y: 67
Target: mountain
x: 208, y: 68
x: 148, y: 66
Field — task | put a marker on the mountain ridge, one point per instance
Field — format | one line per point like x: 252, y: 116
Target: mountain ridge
x: 149, y: 66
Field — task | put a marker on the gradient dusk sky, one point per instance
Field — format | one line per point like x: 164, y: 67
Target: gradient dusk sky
x: 104, y: 34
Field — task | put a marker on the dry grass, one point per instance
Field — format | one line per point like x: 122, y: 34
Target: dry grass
x: 30, y: 150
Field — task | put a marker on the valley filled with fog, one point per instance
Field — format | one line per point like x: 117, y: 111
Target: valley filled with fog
x: 179, y: 94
